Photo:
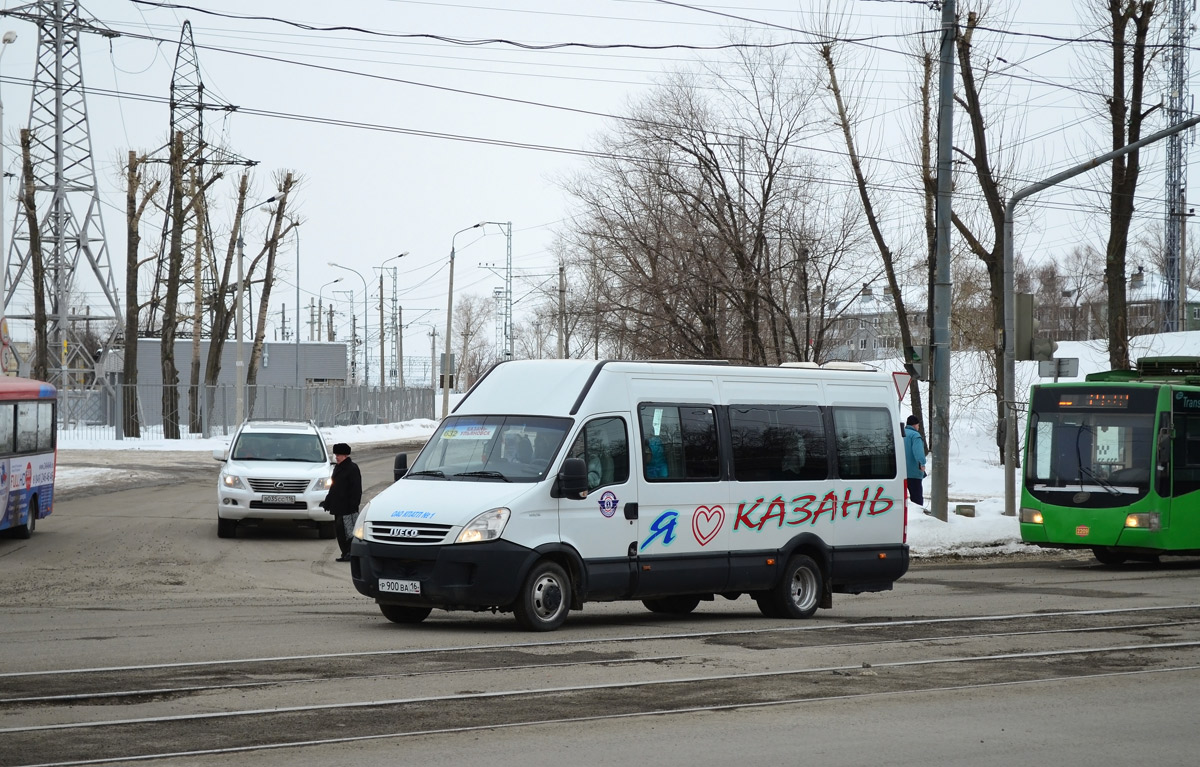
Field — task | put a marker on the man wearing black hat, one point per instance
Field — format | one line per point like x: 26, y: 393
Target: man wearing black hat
x: 345, y: 493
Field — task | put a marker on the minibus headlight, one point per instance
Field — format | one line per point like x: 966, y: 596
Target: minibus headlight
x: 1031, y: 516
x: 232, y: 481
x: 1143, y: 521
x: 486, y: 527
x: 360, y: 523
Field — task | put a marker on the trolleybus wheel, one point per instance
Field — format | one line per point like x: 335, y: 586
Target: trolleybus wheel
x: 1108, y: 556
x: 404, y: 614
x: 677, y: 605
x: 799, y: 590
x: 545, y: 598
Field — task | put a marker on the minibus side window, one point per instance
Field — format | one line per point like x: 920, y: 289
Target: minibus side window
x: 773, y: 443
x: 865, y: 443
x: 679, y: 442
x: 604, y: 448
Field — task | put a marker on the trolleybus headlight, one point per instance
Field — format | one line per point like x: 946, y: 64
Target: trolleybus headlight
x: 1031, y: 516
x: 486, y: 527
x: 360, y: 524
x: 232, y: 481
x: 1143, y: 521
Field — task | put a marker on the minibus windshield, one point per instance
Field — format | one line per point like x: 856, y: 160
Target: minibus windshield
x: 493, y: 448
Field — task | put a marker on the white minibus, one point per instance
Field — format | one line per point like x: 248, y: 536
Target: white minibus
x: 555, y: 483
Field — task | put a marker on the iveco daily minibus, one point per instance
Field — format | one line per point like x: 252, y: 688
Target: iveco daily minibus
x: 555, y: 483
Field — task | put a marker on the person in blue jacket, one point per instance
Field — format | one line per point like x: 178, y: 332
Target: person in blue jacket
x: 914, y: 459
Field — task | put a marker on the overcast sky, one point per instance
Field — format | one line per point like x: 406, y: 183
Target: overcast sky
x: 433, y: 136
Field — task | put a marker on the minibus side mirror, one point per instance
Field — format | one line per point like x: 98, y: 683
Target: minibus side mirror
x: 399, y: 466
x: 572, y: 479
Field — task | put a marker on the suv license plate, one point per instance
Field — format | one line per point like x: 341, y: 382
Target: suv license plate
x: 279, y: 499
x: 399, y: 587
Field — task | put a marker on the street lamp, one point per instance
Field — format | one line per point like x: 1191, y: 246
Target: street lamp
x: 321, y: 307
x: 9, y: 37
x: 296, y: 329
x: 396, y: 324
x: 366, y: 352
x: 240, y: 368
x: 449, y: 321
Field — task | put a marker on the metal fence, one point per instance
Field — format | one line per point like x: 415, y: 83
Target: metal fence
x: 97, y: 413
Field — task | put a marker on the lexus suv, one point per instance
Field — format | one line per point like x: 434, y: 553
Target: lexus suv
x: 274, y: 470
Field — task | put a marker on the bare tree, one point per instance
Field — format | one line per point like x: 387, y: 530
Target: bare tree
x: 136, y: 181
x: 472, y: 314
x: 267, y: 257
x: 697, y: 234
x: 41, y: 353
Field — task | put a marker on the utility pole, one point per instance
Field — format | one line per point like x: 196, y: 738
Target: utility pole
x: 562, y: 311
x: 938, y: 432
x: 382, y: 340
x: 72, y: 229
x: 1174, y: 298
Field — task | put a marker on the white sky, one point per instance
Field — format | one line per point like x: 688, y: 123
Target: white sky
x: 369, y: 194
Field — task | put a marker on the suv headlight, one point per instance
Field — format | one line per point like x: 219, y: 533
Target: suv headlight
x: 485, y: 527
x: 232, y: 481
x: 323, y: 484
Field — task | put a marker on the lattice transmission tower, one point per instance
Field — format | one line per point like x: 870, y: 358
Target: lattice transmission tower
x: 189, y: 102
x: 67, y: 206
x: 1174, y: 280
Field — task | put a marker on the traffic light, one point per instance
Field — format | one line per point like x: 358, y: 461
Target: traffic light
x: 920, y: 361
x: 1023, y: 345
x: 1028, y: 344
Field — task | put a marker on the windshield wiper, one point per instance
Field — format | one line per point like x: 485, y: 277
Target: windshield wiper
x: 1104, y: 483
x: 427, y: 473
x: 488, y: 474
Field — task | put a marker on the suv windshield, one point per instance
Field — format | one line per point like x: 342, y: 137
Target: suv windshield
x: 492, y: 448
x: 265, y: 446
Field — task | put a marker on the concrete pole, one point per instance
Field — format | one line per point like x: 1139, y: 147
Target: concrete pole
x: 938, y: 430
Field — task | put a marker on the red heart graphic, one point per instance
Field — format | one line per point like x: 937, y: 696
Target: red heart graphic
x: 706, y: 523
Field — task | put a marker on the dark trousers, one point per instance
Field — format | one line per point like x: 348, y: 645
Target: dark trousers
x: 916, y: 493
x: 344, y: 526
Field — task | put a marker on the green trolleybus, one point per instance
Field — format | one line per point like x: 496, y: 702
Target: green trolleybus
x: 1113, y: 464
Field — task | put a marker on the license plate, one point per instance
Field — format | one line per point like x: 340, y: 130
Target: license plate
x: 279, y: 499
x: 399, y: 587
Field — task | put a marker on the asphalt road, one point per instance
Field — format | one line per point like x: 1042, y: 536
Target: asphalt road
x: 128, y: 630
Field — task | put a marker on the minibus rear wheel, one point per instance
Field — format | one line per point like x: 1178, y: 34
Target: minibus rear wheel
x: 798, y: 592
x: 545, y: 598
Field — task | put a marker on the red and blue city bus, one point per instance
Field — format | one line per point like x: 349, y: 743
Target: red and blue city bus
x: 28, y: 448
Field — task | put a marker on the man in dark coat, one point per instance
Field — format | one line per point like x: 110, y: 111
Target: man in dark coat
x: 345, y: 493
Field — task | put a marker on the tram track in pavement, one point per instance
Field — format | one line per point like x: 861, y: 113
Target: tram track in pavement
x: 535, y: 682
x: 128, y: 684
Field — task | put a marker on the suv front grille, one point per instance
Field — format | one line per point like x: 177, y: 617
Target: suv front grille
x: 407, y: 532
x: 289, y: 486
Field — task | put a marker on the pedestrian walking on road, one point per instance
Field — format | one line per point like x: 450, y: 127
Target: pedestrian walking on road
x: 343, y: 498
x: 914, y: 459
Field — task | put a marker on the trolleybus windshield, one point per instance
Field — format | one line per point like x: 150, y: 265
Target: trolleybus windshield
x: 1090, y: 446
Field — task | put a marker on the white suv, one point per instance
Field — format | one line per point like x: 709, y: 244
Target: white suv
x: 274, y: 470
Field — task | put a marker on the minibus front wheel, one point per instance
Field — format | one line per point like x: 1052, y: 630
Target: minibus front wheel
x: 545, y: 598
x: 798, y: 592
